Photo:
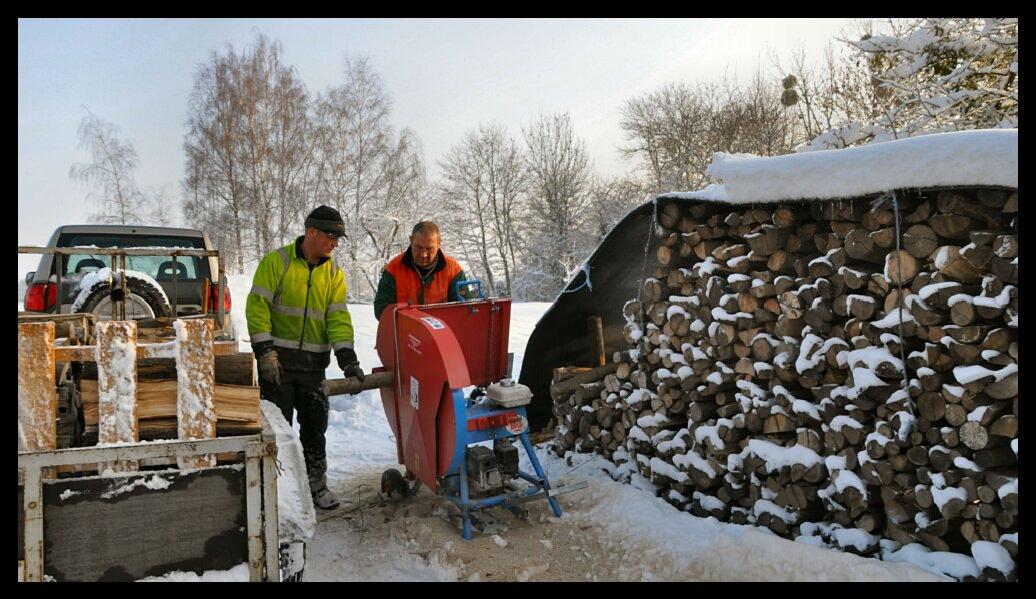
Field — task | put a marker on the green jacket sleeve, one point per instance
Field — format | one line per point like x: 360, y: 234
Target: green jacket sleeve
x: 386, y: 293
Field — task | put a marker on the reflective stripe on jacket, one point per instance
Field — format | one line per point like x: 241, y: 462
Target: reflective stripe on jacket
x: 299, y: 307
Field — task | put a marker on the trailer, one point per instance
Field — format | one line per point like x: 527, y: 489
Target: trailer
x: 195, y: 491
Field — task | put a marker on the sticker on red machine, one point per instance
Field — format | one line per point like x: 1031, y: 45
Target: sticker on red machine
x: 414, y: 393
x: 435, y: 323
x: 517, y: 424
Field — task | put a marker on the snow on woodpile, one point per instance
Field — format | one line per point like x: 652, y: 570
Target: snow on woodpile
x: 983, y: 157
x: 812, y: 368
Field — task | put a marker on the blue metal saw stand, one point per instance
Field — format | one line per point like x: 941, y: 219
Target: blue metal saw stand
x: 539, y: 483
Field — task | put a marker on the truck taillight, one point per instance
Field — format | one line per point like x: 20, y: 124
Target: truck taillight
x: 39, y: 297
x: 214, y: 298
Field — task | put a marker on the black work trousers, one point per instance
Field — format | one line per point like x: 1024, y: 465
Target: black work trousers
x: 300, y: 390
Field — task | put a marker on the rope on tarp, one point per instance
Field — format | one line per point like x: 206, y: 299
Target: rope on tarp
x: 585, y: 268
x: 643, y: 264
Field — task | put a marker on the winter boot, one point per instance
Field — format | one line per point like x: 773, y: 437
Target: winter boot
x: 323, y: 498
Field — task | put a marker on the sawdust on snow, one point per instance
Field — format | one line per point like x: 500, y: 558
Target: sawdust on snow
x: 368, y: 539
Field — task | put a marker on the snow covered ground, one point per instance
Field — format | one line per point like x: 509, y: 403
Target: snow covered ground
x: 610, y: 531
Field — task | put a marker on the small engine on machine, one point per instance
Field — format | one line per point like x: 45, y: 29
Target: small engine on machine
x: 485, y: 476
x: 490, y: 469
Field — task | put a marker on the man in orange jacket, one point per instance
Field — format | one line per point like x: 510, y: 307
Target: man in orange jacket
x: 422, y: 274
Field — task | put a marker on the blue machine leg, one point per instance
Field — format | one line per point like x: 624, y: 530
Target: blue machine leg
x: 539, y: 471
x: 466, y: 514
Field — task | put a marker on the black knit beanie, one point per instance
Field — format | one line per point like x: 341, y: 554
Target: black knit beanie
x: 326, y: 219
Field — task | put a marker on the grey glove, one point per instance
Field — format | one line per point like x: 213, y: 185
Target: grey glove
x: 353, y: 369
x: 270, y: 369
x: 349, y: 364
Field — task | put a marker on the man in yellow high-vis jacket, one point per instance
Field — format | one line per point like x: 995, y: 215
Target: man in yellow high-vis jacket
x: 297, y: 314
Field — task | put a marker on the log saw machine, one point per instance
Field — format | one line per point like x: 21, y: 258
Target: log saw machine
x: 431, y: 355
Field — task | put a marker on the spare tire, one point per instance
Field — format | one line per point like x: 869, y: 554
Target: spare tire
x: 143, y: 300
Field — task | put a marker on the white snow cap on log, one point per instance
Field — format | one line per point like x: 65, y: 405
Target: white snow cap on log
x: 980, y: 157
x: 991, y: 555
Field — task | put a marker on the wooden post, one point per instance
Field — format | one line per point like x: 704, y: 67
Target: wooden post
x: 37, y: 396
x: 117, y: 420
x: 254, y: 507
x: 596, y: 329
x: 196, y: 381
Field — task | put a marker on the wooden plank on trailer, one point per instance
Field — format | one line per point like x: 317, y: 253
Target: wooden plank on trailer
x: 157, y: 399
x: 231, y: 369
x: 253, y: 499
x: 196, y: 376
x: 271, y: 518
x: 30, y: 525
x: 138, y: 525
x: 86, y: 353
x: 37, y: 395
x: 117, y: 388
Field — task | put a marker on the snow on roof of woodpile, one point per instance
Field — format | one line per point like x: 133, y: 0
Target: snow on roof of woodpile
x: 961, y: 158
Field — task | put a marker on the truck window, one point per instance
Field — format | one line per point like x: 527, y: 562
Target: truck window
x: 160, y: 268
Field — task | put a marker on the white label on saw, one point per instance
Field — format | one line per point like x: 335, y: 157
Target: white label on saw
x: 435, y: 323
x: 413, y: 392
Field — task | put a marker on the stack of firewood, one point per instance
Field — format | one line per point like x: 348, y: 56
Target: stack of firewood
x: 787, y: 366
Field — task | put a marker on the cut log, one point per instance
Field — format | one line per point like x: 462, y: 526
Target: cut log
x: 568, y: 386
x: 37, y: 395
x: 196, y: 377
x: 116, y: 388
x: 900, y: 267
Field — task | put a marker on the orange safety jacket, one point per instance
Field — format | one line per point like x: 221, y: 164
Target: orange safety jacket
x: 401, y: 283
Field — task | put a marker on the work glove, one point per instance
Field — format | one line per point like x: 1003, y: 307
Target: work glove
x: 349, y: 364
x: 270, y: 369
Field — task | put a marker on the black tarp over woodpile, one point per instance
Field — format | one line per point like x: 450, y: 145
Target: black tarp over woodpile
x: 561, y: 337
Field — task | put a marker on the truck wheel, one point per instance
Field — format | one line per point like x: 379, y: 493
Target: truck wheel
x: 143, y: 300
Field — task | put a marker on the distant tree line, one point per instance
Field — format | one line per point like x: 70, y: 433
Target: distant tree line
x: 524, y: 210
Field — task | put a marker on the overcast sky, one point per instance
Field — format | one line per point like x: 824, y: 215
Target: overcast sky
x: 445, y: 77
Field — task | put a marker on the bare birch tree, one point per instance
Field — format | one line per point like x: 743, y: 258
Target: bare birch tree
x: 559, y: 200
x: 111, y: 172
x: 246, y: 148
x: 483, y: 180
x: 372, y: 175
x: 674, y: 132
